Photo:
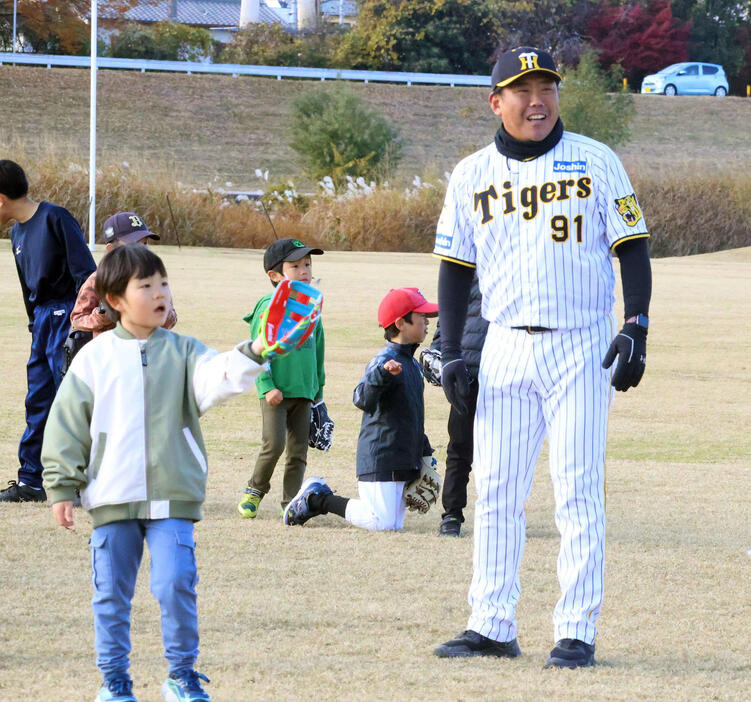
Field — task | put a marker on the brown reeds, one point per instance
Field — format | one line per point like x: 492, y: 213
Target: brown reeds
x: 688, y: 211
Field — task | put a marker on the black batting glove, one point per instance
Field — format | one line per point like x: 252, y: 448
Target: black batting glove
x: 630, y: 345
x: 455, y: 382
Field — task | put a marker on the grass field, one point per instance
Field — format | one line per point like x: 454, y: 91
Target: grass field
x: 330, y: 612
x: 198, y: 128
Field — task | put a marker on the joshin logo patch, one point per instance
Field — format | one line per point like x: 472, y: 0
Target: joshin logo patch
x: 443, y: 241
x: 569, y: 166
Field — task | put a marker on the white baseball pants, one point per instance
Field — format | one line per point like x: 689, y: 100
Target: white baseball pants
x: 380, y: 507
x: 532, y: 385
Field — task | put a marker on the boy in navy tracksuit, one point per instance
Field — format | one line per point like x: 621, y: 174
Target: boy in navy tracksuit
x: 52, y: 261
x: 392, y: 443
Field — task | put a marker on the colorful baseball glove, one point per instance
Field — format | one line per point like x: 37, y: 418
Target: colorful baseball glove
x: 423, y: 492
x: 430, y: 360
x: 290, y: 318
x: 321, y: 427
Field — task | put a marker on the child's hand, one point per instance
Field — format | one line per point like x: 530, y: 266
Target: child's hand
x: 63, y: 513
x: 392, y: 366
x: 257, y: 346
x: 274, y: 397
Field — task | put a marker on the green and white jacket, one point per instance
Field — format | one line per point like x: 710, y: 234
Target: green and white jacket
x: 124, y: 429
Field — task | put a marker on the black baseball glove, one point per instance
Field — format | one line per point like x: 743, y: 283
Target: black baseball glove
x: 430, y: 360
x: 630, y: 345
x: 455, y: 382
x: 321, y: 427
x: 73, y: 344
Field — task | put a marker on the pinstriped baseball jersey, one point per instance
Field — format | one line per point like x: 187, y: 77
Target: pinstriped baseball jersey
x: 541, y: 232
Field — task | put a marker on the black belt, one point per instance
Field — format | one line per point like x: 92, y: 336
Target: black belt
x: 534, y: 330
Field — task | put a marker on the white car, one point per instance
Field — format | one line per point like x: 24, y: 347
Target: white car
x: 689, y: 78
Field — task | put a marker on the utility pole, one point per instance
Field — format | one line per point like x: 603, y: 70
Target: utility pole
x: 92, y: 128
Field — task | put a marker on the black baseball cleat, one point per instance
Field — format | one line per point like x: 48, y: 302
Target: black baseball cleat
x: 469, y: 644
x: 571, y: 653
x: 17, y: 492
x: 450, y: 526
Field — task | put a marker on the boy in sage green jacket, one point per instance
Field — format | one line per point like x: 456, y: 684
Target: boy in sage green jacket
x: 124, y: 430
x: 287, y: 390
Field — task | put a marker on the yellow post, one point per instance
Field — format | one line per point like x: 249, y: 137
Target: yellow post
x: 748, y: 91
x: 625, y: 85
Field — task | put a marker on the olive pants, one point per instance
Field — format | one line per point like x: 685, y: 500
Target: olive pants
x: 284, y: 425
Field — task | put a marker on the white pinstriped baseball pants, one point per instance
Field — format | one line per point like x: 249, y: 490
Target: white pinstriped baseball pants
x: 532, y: 385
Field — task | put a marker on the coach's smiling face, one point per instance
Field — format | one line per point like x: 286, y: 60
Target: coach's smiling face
x: 528, y: 107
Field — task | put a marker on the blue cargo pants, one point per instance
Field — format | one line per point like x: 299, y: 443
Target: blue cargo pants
x: 116, y: 551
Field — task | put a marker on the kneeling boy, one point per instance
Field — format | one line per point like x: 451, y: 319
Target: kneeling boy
x: 392, y: 441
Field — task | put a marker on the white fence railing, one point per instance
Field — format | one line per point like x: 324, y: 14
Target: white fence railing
x: 234, y: 69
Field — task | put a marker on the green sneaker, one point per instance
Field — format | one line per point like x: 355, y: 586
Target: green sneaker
x: 248, y: 506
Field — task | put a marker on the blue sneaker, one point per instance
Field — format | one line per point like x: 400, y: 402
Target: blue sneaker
x: 116, y: 690
x: 185, y: 686
x: 298, y: 511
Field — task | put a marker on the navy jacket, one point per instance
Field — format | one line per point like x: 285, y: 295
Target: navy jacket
x: 473, y: 336
x: 51, y: 255
x: 392, y: 438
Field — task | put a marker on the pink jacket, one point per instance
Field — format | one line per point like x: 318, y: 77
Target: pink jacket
x: 87, y: 317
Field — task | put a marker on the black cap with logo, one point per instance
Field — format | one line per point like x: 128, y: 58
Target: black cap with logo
x: 127, y: 227
x: 286, y: 250
x: 517, y: 62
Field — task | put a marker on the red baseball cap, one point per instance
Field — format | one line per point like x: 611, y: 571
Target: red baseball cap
x: 401, y: 301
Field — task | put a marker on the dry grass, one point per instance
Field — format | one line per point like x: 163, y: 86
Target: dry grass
x: 687, y: 158
x: 334, y: 613
x: 202, y: 127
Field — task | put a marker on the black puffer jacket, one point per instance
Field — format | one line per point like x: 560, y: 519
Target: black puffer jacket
x: 392, y: 438
x: 475, y: 330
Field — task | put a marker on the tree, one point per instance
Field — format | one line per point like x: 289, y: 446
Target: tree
x: 739, y: 82
x: 558, y: 26
x: 641, y: 38
x: 57, y: 26
x: 716, y: 31
x: 432, y: 36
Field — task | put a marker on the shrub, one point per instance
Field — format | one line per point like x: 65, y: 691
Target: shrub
x: 271, y: 45
x: 587, y: 108
x: 336, y: 135
x: 164, y: 41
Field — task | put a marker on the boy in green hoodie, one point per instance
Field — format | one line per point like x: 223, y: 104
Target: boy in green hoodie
x: 288, y: 389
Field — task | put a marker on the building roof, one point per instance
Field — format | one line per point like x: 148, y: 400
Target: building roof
x: 205, y: 13
x: 331, y: 7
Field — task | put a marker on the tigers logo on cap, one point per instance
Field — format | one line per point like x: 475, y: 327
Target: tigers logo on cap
x: 516, y: 63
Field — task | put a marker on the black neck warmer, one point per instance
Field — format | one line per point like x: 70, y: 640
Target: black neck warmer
x: 527, y: 150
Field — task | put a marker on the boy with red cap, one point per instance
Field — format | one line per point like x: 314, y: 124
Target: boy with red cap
x: 392, y: 442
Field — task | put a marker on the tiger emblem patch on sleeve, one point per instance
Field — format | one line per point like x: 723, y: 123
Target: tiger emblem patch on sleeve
x: 628, y: 208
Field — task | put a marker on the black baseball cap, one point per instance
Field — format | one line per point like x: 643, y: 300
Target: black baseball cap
x: 286, y: 250
x: 517, y: 62
x: 127, y: 227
